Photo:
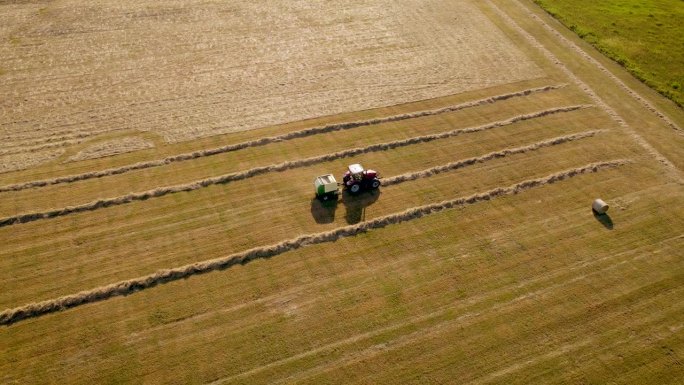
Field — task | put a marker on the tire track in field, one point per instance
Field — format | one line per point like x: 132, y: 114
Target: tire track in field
x: 271, y: 139
x: 301, y: 289
x: 127, y: 287
x: 548, y: 284
x: 241, y: 175
x: 669, y: 166
x: 605, y: 70
x: 484, y: 158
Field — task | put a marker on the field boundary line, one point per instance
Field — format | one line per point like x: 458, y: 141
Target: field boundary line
x: 32, y: 310
x: 667, y: 164
x: 241, y: 175
x: 272, y: 139
x: 648, y: 105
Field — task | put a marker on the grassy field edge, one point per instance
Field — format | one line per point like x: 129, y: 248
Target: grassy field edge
x: 588, y: 29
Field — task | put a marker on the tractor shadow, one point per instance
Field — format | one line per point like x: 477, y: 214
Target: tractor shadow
x: 355, y: 205
x: 604, y: 219
x: 323, y: 212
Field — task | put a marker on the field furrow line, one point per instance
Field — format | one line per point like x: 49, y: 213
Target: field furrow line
x: 237, y: 176
x: 272, y: 139
x: 648, y: 105
x: 121, y: 288
x: 668, y: 165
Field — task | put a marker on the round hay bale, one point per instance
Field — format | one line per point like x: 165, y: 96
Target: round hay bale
x: 599, y: 206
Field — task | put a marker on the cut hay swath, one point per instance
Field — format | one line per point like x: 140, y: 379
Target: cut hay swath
x: 127, y: 287
x: 233, y: 177
x: 487, y: 157
x: 267, y: 140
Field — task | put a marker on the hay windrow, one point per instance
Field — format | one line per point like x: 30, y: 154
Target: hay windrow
x: 484, y: 158
x: 32, y: 310
x: 237, y: 176
x: 268, y: 140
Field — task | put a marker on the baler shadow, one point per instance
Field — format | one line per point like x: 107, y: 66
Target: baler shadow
x: 323, y: 212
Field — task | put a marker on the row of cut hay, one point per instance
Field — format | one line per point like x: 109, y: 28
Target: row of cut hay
x: 237, y: 176
x: 130, y: 286
x: 487, y: 157
x: 499, y: 154
x: 268, y: 140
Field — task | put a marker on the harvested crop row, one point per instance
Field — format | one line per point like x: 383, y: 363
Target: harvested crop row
x: 37, y: 309
x: 233, y: 177
x: 484, y: 158
x: 269, y: 140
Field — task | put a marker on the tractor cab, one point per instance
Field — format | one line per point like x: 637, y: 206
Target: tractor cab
x: 356, y: 172
x: 357, y: 178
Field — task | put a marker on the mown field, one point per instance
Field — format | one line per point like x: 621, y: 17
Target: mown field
x: 479, y: 261
x: 642, y: 35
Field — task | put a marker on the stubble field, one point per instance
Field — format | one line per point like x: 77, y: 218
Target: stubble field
x: 158, y: 225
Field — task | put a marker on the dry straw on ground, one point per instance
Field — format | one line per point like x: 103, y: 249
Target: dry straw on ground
x: 112, y: 147
x: 235, y: 65
x: 22, y: 161
x: 272, y: 139
x: 32, y: 310
x: 233, y: 177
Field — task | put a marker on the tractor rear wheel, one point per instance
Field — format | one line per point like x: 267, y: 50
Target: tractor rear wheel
x: 355, y: 188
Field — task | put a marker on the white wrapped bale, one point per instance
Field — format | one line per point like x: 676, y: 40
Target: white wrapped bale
x: 599, y: 206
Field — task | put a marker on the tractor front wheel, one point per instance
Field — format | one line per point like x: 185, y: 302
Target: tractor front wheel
x: 375, y: 184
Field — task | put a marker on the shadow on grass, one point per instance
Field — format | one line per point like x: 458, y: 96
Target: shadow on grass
x: 604, y: 219
x: 355, y: 205
x: 323, y: 211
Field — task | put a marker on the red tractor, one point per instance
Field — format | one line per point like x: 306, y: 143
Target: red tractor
x: 357, y: 179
